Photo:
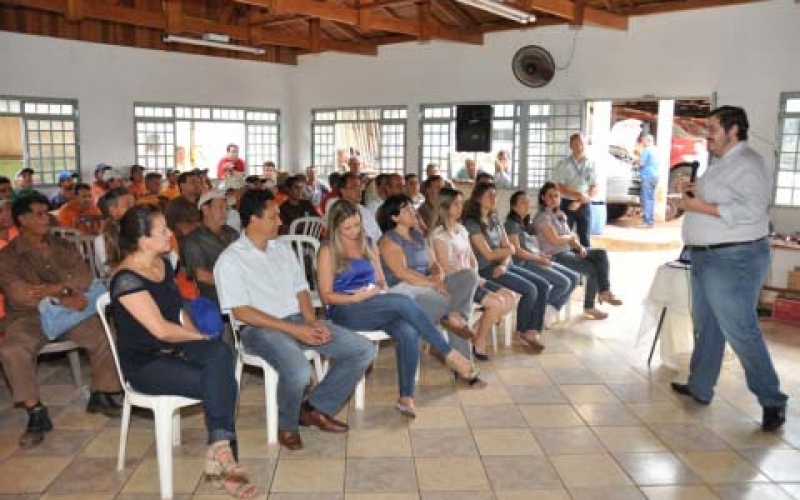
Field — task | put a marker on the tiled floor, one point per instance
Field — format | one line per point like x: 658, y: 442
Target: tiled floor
x: 584, y: 420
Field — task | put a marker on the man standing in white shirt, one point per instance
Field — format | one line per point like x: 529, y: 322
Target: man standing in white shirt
x: 726, y: 227
x: 576, y: 178
x: 253, y: 276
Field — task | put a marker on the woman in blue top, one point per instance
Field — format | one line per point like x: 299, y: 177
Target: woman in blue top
x: 352, y: 284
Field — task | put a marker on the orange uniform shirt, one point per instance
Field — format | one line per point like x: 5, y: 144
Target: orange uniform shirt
x: 88, y: 221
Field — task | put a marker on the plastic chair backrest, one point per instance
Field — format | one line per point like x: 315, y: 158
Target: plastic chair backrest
x: 103, y: 302
x: 307, y: 226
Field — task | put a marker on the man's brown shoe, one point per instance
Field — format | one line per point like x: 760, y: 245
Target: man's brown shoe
x: 290, y: 440
x: 323, y: 422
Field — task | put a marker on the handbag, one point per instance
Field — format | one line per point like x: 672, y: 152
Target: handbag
x: 58, y: 320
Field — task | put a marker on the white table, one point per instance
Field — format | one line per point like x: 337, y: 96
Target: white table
x: 668, y: 312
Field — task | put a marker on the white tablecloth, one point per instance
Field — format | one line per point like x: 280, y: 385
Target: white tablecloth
x: 671, y: 288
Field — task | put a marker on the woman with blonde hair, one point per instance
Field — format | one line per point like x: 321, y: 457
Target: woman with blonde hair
x: 451, y: 245
x: 352, y: 284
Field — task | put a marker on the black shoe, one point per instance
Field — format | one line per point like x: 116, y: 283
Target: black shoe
x: 479, y: 356
x: 683, y: 389
x: 38, y: 423
x: 102, y: 402
x: 774, y: 418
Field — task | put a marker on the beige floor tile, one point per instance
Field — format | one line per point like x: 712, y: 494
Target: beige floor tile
x: 381, y: 496
x: 493, y: 394
x: 607, y: 492
x: 253, y: 444
x: 380, y: 475
x: 523, y: 376
x: 539, y: 416
x: 85, y: 474
x: 438, y: 417
x: 30, y: 474
x: 587, y: 394
x: 456, y: 495
x: 778, y: 465
x: 59, y: 443
x: 78, y: 496
x: 318, y: 444
x: 378, y: 443
x: 628, y: 439
x: 75, y: 417
x: 537, y: 395
x: 679, y: 493
x: 533, y: 495
x: 106, y: 444
x: 8, y: 441
x: 381, y: 417
x: 186, y: 475
x: 691, y: 437
x: 442, y: 443
x: 752, y: 492
x: 660, y: 413
x: 793, y: 489
x: 638, y: 392
x: 506, y: 442
x: 568, y: 441
x: 656, y: 469
x: 305, y: 496
x: 436, y: 395
x: 717, y: 467
x: 588, y: 471
x: 324, y: 475
x: 746, y: 435
x: 451, y: 474
x: 606, y: 414
x: 493, y: 417
x: 521, y: 473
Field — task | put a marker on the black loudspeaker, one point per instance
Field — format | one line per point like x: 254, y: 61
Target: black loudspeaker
x: 474, y: 128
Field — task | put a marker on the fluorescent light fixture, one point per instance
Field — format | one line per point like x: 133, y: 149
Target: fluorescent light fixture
x: 212, y: 44
x: 501, y: 9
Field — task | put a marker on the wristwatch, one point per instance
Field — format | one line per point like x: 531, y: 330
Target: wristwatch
x: 65, y: 291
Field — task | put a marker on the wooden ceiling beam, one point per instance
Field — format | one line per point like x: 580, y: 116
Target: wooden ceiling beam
x: 565, y: 9
x: 263, y: 37
x: 675, y: 6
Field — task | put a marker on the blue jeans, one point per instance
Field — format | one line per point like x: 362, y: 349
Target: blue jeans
x: 648, y: 195
x: 350, y: 355
x: 204, y: 370
x: 404, y: 320
x: 726, y: 283
x: 534, y: 292
x: 562, y: 280
x: 595, y: 267
x: 581, y: 219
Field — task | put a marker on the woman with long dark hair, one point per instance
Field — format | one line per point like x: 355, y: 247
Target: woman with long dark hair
x: 558, y: 241
x: 352, y: 284
x: 161, y: 352
x: 494, y: 252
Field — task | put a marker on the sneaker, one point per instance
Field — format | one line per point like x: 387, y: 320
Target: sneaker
x: 774, y: 418
x: 38, y: 423
x: 102, y: 402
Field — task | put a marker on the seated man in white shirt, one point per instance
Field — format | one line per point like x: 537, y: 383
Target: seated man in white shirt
x: 253, y: 276
x: 351, y: 190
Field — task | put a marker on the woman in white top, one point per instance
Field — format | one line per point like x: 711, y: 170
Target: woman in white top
x: 453, y: 250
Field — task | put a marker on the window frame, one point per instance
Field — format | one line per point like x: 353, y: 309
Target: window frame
x: 781, y: 137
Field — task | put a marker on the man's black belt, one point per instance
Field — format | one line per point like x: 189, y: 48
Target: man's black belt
x: 703, y: 248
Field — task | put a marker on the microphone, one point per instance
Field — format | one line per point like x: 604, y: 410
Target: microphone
x: 693, y: 176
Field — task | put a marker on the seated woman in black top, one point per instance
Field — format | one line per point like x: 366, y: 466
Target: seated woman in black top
x: 160, y: 350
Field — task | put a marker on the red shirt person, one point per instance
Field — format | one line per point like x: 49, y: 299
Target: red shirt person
x: 231, y: 162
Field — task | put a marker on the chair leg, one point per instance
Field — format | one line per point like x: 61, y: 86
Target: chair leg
x: 494, y: 338
x: 163, y: 424
x: 176, y: 427
x: 271, y: 400
x: 360, y: 395
x: 124, y: 427
x: 75, y: 365
x: 508, y: 327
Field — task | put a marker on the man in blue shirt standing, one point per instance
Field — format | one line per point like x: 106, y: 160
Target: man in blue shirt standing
x: 648, y: 169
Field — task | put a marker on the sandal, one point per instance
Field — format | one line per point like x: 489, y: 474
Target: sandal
x: 239, y: 487
x: 221, y: 464
x: 609, y: 298
x: 593, y: 313
x: 406, y: 411
x: 533, y: 343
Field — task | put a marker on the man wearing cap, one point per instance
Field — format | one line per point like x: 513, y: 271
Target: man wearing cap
x: 33, y: 266
x: 171, y: 190
x: 230, y: 163
x: 80, y: 213
x: 201, y: 248
x: 66, y: 190
x: 99, y: 186
x: 25, y: 183
x: 137, y: 187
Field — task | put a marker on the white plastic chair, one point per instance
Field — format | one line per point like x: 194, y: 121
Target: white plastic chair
x: 166, y: 411
x: 270, y: 377
x: 307, y: 226
x: 306, y: 247
x: 361, y: 389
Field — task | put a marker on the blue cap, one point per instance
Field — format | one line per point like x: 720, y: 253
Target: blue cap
x: 65, y: 175
x: 101, y: 166
x: 206, y: 316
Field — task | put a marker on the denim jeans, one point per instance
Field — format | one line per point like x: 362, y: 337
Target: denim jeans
x: 562, y: 280
x: 204, y: 371
x: 350, y: 355
x: 595, y: 267
x: 404, y: 320
x: 533, y: 289
x: 726, y: 283
x: 581, y: 219
x: 648, y: 198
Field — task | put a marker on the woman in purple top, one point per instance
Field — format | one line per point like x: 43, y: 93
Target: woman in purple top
x: 351, y: 283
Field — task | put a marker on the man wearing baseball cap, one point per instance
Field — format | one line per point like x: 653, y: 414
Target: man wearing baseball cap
x: 201, y: 248
x: 66, y: 189
x: 99, y: 186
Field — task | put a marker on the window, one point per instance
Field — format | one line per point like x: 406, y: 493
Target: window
x: 378, y: 135
x: 39, y: 133
x: 187, y: 137
x: 535, y: 134
x: 787, y: 180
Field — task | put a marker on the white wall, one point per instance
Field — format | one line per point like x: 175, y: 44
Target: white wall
x: 745, y: 54
x: 107, y: 80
